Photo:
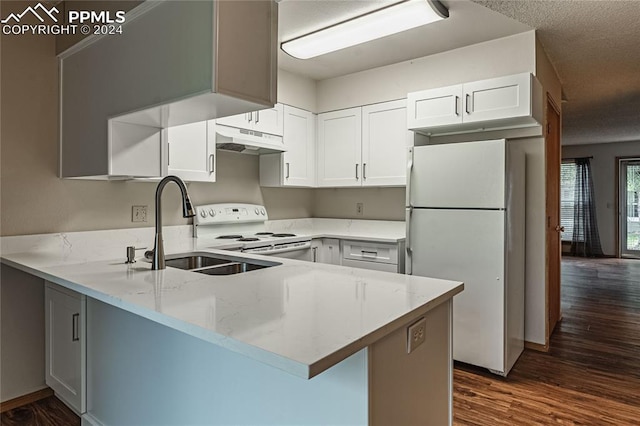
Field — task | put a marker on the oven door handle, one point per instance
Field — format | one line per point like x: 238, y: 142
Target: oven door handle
x: 304, y: 246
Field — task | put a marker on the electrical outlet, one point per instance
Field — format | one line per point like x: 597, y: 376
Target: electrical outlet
x: 139, y: 213
x: 416, y: 334
x: 359, y: 209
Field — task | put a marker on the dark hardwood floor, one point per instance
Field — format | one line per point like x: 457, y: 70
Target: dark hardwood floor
x: 591, y: 376
x: 46, y: 412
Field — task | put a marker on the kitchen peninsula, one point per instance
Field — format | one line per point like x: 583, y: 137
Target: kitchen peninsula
x: 296, y: 343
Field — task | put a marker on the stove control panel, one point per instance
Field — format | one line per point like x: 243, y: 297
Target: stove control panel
x: 213, y: 214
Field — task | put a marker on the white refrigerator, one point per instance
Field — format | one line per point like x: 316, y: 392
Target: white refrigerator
x: 466, y: 222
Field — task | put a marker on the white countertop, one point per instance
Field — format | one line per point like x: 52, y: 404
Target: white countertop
x: 386, y: 231
x: 300, y: 317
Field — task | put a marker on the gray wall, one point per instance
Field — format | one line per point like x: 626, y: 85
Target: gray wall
x: 604, y: 182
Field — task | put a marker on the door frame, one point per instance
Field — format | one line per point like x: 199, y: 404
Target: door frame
x: 618, y: 193
x: 552, y: 107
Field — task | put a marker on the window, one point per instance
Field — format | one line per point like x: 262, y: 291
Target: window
x: 567, y: 194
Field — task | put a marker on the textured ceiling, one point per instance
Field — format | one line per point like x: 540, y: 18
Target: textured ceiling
x: 469, y: 23
x: 595, y: 48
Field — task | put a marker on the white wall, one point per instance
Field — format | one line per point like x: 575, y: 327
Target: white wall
x: 603, y: 166
x: 535, y: 247
x: 297, y: 90
x: 378, y: 203
x: 508, y: 55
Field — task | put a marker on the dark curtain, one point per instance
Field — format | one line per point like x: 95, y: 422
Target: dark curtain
x: 585, y: 241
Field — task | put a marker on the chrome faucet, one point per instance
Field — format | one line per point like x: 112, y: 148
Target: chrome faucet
x: 187, y: 211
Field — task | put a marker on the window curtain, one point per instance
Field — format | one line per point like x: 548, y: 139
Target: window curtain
x: 585, y: 241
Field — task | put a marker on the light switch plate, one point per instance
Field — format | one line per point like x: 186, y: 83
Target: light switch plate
x: 416, y: 334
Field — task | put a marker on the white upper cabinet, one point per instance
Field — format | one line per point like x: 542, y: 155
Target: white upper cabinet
x: 158, y: 75
x: 385, y: 140
x: 498, y: 98
x: 340, y: 148
x: 505, y: 102
x: 192, y: 151
x: 296, y: 166
x: 364, y: 146
x: 435, y: 107
x: 266, y: 121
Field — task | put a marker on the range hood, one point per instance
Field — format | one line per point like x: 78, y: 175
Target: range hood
x: 247, y: 141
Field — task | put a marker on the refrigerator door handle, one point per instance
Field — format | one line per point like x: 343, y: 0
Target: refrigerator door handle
x: 409, y: 168
x: 408, y: 249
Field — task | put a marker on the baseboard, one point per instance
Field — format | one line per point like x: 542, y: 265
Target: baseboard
x: 536, y: 346
x: 25, y: 399
x: 88, y: 420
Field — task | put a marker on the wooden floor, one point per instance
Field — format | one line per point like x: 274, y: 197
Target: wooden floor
x: 591, y: 376
x: 46, y: 412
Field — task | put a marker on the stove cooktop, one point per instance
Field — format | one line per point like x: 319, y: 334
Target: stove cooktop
x: 241, y: 224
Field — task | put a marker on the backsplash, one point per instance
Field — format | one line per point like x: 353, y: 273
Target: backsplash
x: 378, y: 203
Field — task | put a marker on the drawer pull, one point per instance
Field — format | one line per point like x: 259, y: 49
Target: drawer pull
x: 366, y: 253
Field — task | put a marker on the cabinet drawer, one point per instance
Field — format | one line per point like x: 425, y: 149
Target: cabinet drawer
x: 371, y: 252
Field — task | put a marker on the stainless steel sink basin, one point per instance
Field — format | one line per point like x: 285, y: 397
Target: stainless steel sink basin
x: 231, y: 268
x: 216, y: 264
x: 194, y: 262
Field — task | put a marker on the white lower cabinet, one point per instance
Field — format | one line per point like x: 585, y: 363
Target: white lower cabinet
x: 372, y: 255
x: 326, y: 250
x: 192, y: 151
x: 65, y: 346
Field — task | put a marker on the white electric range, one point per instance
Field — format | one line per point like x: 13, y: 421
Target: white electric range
x: 243, y: 225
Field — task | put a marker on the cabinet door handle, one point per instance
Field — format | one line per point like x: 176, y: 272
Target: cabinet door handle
x: 466, y: 106
x: 74, y: 327
x: 357, y: 171
x: 288, y: 169
x: 315, y: 254
x: 212, y: 163
x: 257, y: 117
x: 168, y: 154
x: 364, y: 171
x: 457, y: 101
x: 249, y: 116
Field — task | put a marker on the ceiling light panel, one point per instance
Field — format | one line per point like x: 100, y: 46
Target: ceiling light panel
x: 381, y: 23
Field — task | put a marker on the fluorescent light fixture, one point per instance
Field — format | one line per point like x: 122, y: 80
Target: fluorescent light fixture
x: 380, y: 23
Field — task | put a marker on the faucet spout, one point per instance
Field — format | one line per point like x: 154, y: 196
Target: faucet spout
x: 187, y: 211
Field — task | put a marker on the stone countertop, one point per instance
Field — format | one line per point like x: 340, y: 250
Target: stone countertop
x: 298, y: 316
x: 385, y: 231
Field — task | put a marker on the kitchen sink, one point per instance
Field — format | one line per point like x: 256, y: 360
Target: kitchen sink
x: 216, y: 264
